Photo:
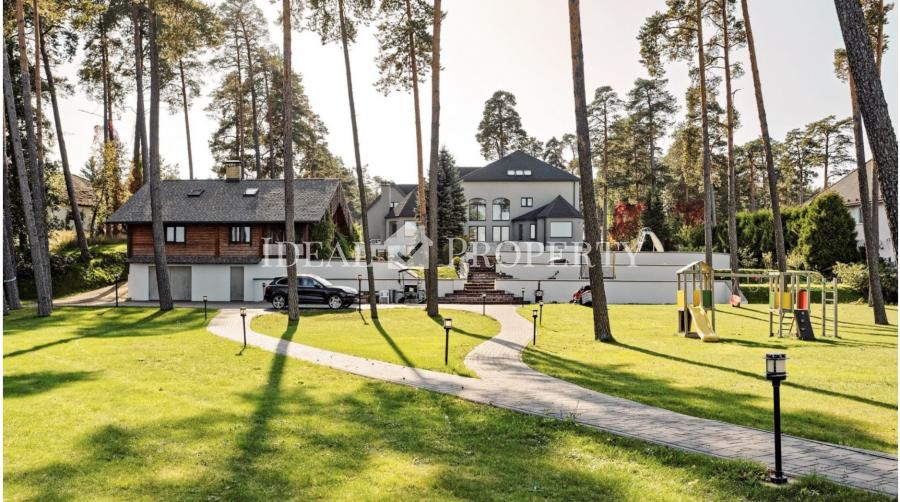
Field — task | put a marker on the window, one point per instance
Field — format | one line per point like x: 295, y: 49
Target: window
x: 501, y: 234
x: 501, y: 210
x: 518, y: 172
x: 527, y: 202
x: 477, y: 210
x: 309, y: 282
x: 251, y: 192
x: 854, y: 213
x: 532, y: 231
x: 239, y: 235
x: 196, y: 192
x: 409, y: 229
x: 394, y: 205
x: 510, y: 172
x: 560, y: 229
x: 527, y: 172
x: 477, y: 234
x: 175, y: 234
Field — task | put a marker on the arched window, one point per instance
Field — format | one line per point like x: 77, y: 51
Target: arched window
x: 501, y: 210
x: 477, y: 210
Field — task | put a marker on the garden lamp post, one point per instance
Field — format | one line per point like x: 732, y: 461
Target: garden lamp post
x: 523, y: 297
x: 244, y: 323
x: 204, y: 307
x: 483, y: 300
x: 541, y: 305
x: 359, y: 293
x: 776, y: 371
x: 534, y: 316
x: 448, y: 325
x: 117, y: 291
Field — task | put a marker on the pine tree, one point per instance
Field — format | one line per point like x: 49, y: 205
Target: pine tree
x: 500, y: 128
x: 452, y: 207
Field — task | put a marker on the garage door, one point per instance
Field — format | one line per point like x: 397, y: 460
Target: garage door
x: 179, y: 281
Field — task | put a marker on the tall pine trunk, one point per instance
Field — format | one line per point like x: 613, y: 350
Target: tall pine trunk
x: 270, y: 157
x: 287, y: 111
x: 239, y: 98
x: 870, y: 95
x: 732, y: 175
x: 772, y: 175
x: 251, y: 79
x: 138, y: 20
x: 187, y: 122
x: 602, y: 330
x: 159, y: 241
x: 879, y: 50
x: 431, y: 285
x: 604, y: 213
x: 40, y: 255
x: 64, y: 157
x: 708, y: 199
x: 360, y: 181
x: 420, y: 163
x: 876, y: 297
x: 10, y: 280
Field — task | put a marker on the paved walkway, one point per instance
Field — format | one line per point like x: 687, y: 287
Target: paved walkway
x: 101, y: 296
x: 506, y: 382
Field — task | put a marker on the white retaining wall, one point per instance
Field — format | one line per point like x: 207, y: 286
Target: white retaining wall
x: 639, y: 278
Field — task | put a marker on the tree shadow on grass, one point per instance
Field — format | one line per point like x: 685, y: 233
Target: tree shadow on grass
x: 393, y: 345
x: 156, y: 323
x: 255, y: 441
x: 27, y: 384
x: 710, y: 401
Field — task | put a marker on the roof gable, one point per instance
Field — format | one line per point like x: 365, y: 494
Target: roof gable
x: 521, y: 162
x: 556, y: 208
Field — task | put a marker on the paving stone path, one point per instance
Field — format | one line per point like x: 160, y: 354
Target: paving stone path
x: 507, y: 382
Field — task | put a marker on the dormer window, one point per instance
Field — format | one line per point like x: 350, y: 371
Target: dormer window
x: 251, y: 192
x: 518, y: 172
x: 196, y: 192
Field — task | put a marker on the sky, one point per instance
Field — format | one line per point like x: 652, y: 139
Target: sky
x: 521, y: 46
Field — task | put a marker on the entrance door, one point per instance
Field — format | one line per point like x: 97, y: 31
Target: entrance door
x: 237, y: 284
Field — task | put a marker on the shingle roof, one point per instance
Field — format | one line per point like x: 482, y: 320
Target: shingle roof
x: 519, y: 161
x: 84, y: 192
x: 408, y: 207
x: 225, y: 202
x: 557, y: 208
x: 406, y: 187
x: 465, y: 171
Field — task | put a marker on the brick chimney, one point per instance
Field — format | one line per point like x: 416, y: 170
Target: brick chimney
x: 232, y: 170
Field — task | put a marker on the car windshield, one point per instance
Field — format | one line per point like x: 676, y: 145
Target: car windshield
x: 323, y: 281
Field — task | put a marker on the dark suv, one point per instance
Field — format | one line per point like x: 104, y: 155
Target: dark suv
x: 310, y: 289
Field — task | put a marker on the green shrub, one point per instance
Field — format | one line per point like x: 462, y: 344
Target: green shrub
x: 888, y: 273
x: 827, y: 234
x: 70, y: 275
x: 855, y: 276
x: 654, y: 218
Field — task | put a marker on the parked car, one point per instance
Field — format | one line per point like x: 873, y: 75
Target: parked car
x: 583, y: 296
x: 310, y: 289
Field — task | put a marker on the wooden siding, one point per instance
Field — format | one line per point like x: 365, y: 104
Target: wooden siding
x: 209, y: 240
x: 200, y: 240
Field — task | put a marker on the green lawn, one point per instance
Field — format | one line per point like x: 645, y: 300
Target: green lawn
x: 838, y: 390
x: 444, y: 272
x: 130, y: 404
x: 404, y: 336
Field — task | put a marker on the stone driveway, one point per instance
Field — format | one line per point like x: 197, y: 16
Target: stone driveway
x: 506, y: 382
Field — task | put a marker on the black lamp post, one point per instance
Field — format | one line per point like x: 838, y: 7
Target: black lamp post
x: 534, y: 316
x: 776, y: 371
x: 448, y: 325
x: 244, y: 323
x: 204, y: 307
x: 117, y: 291
x: 359, y: 293
x: 523, y: 297
x: 483, y: 301
x: 541, y: 305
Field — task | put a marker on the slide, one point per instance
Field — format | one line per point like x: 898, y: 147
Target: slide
x: 702, y: 325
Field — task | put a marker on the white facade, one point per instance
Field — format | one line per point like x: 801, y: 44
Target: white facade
x: 848, y: 188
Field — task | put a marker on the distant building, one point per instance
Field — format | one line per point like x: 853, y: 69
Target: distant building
x: 848, y: 188
x: 516, y: 198
x: 84, y: 197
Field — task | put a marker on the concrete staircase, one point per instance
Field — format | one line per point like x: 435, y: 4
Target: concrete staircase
x: 482, y: 274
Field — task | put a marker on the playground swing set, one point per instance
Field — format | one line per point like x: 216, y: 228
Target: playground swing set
x: 789, y: 300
